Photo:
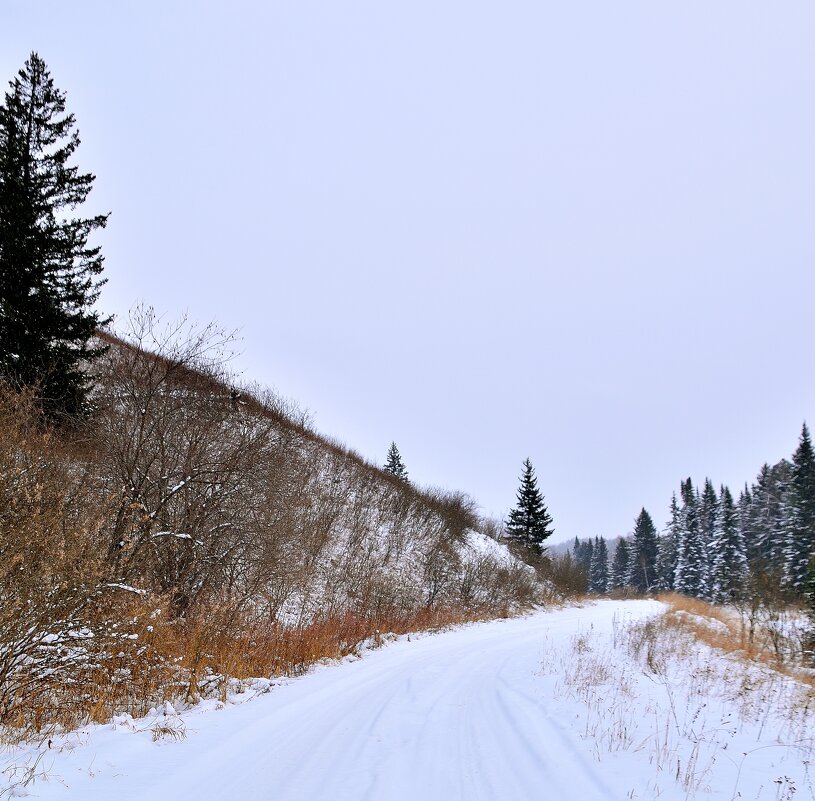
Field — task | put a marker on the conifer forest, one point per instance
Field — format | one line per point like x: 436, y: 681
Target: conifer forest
x: 716, y: 547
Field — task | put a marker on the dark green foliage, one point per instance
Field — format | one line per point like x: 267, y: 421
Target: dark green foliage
x: 666, y: 551
x: 708, y: 520
x: 729, y: 554
x: 761, y: 550
x: 800, y: 517
x: 620, y: 564
x: 765, y: 529
x: 48, y: 272
x: 583, y: 552
x: 691, y: 560
x: 643, y: 556
x: 598, y: 570
x: 529, y: 522
x: 394, y: 464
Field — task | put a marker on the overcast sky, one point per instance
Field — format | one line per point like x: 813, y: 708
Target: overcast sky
x: 582, y: 232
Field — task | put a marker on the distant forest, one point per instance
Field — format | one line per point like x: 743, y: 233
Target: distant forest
x: 715, y: 547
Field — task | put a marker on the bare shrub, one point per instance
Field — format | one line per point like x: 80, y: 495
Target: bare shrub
x: 565, y: 574
x: 50, y: 589
x: 194, y: 531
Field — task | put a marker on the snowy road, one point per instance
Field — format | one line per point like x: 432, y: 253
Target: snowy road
x: 459, y: 715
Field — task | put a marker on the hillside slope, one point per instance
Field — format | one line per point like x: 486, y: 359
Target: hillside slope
x: 192, y: 530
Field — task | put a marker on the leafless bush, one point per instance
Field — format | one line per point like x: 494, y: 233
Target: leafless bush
x: 192, y: 527
x: 50, y: 587
x: 182, y: 465
x: 565, y: 574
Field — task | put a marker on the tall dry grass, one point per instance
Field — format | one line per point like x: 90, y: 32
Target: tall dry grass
x: 775, y: 637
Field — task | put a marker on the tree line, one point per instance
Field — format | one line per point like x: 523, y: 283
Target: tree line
x: 716, y: 547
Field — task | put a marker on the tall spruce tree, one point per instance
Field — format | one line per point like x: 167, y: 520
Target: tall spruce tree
x: 691, y: 576
x: 767, y: 531
x: 620, y: 566
x: 666, y: 550
x: 800, y: 516
x: 729, y: 554
x: 49, y: 274
x: 744, y: 517
x: 708, y: 521
x: 584, y: 554
x: 643, y: 556
x: 394, y: 464
x: 529, y: 522
x: 598, y: 570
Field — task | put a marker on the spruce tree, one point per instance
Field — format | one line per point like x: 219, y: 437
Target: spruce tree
x: 643, y: 556
x: 729, y: 554
x: 618, y: 575
x: 744, y: 517
x: 800, y: 516
x: 691, y: 576
x: 767, y: 531
x: 708, y: 521
x: 529, y: 522
x: 49, y: 274
x: 598, y: 573
x: 394, y: 464
x: 584, y: 554
x: 666, y: 550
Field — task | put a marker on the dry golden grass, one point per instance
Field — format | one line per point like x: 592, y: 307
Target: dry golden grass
x: 728, y: 631
x: 291, y: 651
x: 161, y: 659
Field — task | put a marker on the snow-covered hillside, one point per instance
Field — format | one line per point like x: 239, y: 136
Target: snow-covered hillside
x: 189, y: 528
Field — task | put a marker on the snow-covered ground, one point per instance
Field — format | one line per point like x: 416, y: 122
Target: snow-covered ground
x: 557, y: 705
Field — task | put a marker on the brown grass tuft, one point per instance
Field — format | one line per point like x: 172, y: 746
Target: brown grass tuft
x: 773, y: 641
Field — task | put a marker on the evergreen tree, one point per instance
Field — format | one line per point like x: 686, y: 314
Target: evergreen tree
x: 530, y: 522
x: 708, y: 520
x: 690, y: 578
x: 598, y: 573
x: 666, y: 550
x: 48, y: 272
x: 394, y: 464
x: 744, y: 517
x: 643, y: 555
x: 766, y: 534
x: 618, y: 575
x: 729, y: 561
x: 584, y: 554
x: 800, y: 516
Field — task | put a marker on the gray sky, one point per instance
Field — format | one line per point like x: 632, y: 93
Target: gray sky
x: 579, y: 232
